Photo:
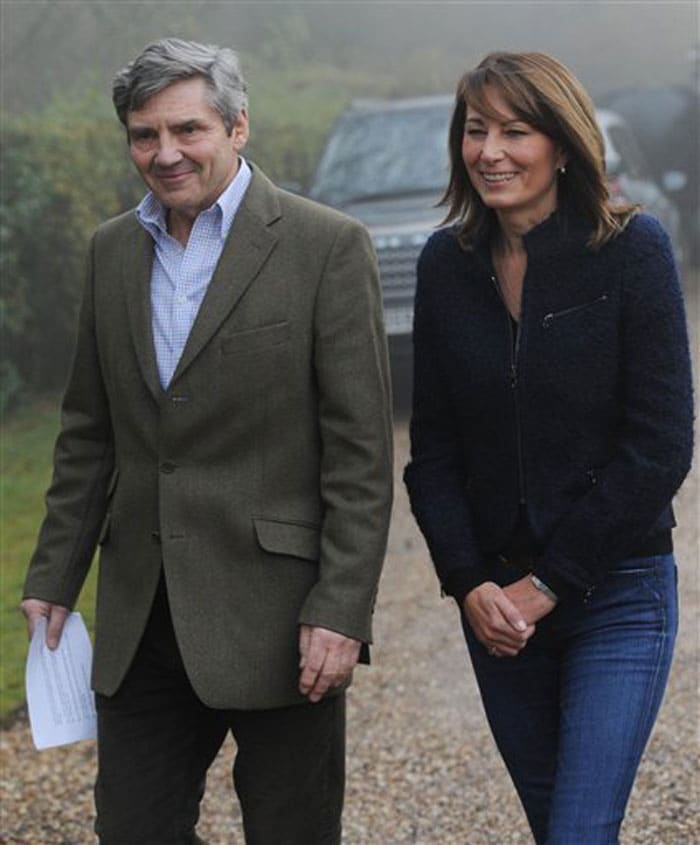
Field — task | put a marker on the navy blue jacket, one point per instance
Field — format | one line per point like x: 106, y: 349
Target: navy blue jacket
x: 587, y: 418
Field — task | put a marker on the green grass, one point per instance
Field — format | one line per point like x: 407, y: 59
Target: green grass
x: 27, y: 448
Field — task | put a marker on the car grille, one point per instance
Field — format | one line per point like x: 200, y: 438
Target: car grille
x: 397, y: 268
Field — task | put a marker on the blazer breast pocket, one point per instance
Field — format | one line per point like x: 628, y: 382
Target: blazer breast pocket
x: 255, y: 339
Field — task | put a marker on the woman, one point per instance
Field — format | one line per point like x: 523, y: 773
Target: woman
x: 552, y: 425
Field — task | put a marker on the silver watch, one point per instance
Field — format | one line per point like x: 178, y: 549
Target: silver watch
x: 543, y: 588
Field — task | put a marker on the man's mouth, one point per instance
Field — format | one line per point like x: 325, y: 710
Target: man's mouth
x: 172, y: 175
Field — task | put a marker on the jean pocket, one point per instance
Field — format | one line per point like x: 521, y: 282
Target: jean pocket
x: 633, y: 570
x: 651, y: 565
x: 649, y: 573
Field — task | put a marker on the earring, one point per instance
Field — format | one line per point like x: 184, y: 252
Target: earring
x: 562, y: 169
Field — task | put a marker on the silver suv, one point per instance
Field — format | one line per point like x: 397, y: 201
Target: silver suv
x: 386, y: 163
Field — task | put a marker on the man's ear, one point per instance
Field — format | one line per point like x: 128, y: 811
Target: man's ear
x: 240, y: 131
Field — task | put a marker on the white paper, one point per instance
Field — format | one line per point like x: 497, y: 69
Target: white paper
x: 59, y: 699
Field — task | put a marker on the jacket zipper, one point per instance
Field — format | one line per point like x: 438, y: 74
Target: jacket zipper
x: 548, y: 319
x: 514, y: 346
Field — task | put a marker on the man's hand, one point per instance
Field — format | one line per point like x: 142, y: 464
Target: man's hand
x: 496, y: 621
x: 327, y: 658
x: 55, y: 615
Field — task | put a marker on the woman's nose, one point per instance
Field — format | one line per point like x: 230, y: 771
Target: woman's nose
x: 492, y: 149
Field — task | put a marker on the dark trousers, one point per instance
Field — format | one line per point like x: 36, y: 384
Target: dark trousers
x: 572, y: 713
x: 156, y: 741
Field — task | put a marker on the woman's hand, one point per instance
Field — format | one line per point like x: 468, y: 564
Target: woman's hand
x: 498, y: 623
x: 532, y: 603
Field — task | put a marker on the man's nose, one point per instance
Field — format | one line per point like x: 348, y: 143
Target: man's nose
x: 167, y: 153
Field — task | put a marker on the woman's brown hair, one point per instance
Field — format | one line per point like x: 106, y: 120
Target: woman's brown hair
x: 544, y: 93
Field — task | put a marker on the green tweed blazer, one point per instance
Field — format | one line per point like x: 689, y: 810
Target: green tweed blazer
x: 260, y: 481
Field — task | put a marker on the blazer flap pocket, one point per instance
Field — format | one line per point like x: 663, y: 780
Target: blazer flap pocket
x: 250, y: 340
x: 288, y: 538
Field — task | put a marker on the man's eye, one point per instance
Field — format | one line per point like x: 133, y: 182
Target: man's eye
x: 141, y: 138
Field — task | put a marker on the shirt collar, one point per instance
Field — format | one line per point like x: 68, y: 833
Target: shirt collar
x: 151, y: 213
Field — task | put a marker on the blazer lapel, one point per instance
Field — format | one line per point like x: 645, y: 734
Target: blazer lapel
x: 247, y: 247
x: 137, y: 284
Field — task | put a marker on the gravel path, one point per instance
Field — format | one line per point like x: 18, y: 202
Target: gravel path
x: 422, y: 767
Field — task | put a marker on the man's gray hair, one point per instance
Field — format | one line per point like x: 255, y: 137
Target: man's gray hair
x: 172, y: 60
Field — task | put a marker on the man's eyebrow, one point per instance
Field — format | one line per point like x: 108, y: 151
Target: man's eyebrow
x: 180, y: 124
x: 183, y: 124
x: 139, y: 128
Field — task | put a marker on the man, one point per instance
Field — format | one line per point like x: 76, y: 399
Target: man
x: 226, y: 439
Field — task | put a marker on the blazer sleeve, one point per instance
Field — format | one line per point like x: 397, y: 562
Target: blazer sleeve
x: 83, y: 465
x: 655, y: 441
x: 436, y: 477
x: 354, y: 413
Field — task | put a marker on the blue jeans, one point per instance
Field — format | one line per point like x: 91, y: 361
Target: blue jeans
x: 572, y: 713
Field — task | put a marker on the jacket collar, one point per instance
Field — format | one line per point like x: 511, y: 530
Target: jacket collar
x: 559, y: 234
x: 247, y: 247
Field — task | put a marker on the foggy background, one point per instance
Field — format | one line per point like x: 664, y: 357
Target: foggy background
x: 56, y: 47
x: 64, y: 161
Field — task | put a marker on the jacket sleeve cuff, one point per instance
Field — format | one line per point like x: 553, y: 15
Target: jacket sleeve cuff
x: 459, y: 582
x: 566, y: 584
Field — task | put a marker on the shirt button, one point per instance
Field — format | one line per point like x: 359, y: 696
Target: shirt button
x: 167, y: 467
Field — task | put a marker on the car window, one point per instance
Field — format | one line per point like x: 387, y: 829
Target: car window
x: 651, y: 112
x: 377, y: 154
x: 631, y: 159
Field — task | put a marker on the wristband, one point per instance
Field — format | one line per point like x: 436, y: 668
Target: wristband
x: 543, y: 588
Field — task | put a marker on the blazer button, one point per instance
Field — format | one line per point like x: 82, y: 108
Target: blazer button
x: 167, y: 467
